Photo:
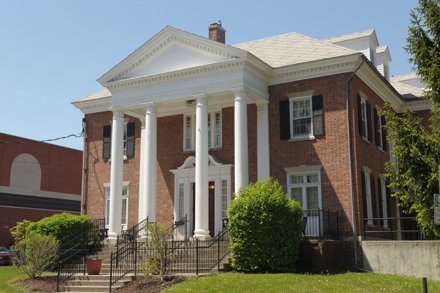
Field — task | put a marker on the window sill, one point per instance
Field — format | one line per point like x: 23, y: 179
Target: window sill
x: 365, y: 139
x: 302, y: 138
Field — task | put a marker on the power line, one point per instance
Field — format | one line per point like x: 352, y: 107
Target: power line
x: 45, y: 140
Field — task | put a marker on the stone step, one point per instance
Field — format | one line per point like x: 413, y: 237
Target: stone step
x: 94, y: 283
x: 89, y: 288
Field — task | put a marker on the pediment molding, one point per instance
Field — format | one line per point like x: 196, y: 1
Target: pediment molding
x: 161, y: 41
x: 190, y: 163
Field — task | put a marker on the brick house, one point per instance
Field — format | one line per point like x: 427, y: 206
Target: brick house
x: 185, y: 121
x: 37, y: 180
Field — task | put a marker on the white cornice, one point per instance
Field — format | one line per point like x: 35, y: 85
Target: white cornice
x: 314, y: 69
x: 417, y: 105
x: 94, y: 106
x: 384, y: 90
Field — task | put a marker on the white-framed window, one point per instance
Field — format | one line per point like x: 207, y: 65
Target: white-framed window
x: 364, y: 118
x: 383, y: 188
x: 379, y: 130
x: 181, y: 202
x: 368, y: 196
x: 224, y: 197
x: 305, y: 187
x: 124, y: 206
x: 214, y: 131
x: 125, y: 139
x: 301, y: 122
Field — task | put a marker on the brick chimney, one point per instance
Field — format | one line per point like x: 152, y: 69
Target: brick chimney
x: 216, y: 32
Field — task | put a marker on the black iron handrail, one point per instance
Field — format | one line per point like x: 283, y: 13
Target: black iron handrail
x: 320, y: 224
x: 74, y: 250
x: 392, y: 228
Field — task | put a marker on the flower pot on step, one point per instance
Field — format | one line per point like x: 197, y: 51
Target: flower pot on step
x: 93, y: 266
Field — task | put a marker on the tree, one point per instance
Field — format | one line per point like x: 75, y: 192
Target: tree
x: 264, y: 228
x: 414, y: 175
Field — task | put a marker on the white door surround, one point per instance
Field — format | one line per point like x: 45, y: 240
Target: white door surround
x: 184, y: 176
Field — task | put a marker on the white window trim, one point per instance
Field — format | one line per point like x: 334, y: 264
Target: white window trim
x: 303, y: 171
x: 379, y: 118
x: 309, y: 136
x: 211, y: 116
x: 368, y: 199
x: 384, y: 201
x: 364, y: 121
x: 125, y: 185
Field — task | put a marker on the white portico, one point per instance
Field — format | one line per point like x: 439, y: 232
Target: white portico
x: 177, y: 73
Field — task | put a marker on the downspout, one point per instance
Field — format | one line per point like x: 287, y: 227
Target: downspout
x: 350, y: 160
x: 84, y: 169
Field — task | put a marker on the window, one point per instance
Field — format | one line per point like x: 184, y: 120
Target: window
x: 214, y: 131
x: 383, y: 192
x: 367, y: 191
x: 301, y: 117
x: 381, y: 137
x: 129, y: 140
x: 181, y: 202
x: 305, y: 188
x: 364, y: 118
x: 124, y: 206
x: 224, y: 198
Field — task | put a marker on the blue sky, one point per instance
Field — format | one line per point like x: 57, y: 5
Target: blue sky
x: 52, y: 52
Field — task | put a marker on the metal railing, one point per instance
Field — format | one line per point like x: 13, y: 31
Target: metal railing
x: 75, y: 248
x: 392, y: 228
x: 320, y: 224
x: 125, y: 259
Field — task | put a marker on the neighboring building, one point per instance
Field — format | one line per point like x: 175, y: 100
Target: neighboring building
x: 184, y: 122
x: 36, y: 180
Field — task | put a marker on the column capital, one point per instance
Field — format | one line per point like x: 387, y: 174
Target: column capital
x: 239, y: 94
x: 150, y: 108
x: 118, y: 113
x: 201, y: 100
x: 263, y: 106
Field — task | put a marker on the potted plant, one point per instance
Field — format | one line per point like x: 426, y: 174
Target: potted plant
x: 93, y: 264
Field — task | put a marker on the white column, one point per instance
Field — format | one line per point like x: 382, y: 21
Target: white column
x: 263, y: 154
x: 201, y: 229
x: 150, y: 150
x: 240, y: 141
x: 116, y: 174
x: 142, y: 178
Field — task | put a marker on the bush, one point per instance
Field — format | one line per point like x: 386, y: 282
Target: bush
x: 18, y: 232
x: 157, y: 240
x: 35, y: 254
x: 62, y: 226
x: 264, y: 228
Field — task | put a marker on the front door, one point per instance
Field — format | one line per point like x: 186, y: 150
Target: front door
x: 211, y: 206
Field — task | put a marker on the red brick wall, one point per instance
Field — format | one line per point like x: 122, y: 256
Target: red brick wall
x: 60, y: 166
x: 366, y: 153
x: 170, y: 155
x: 330, y: 150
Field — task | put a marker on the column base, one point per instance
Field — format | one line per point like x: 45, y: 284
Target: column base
x: 112, y: 235
x: 202, y: 235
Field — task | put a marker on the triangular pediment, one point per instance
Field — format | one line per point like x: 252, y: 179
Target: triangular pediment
x: 171, y: 50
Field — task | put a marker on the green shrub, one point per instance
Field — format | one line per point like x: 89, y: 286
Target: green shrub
x: 35, y: 254
x: 62, y: 226
x: 18, y: 232
x: 264, y: 228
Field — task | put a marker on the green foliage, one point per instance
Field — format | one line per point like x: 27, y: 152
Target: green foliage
x: 423, y: 44
x: 18, y: 232
x: 35, y: 254
x: 157, y: 242
x: 264, y: 228
x: 62, y: 225
x: 414, y: 174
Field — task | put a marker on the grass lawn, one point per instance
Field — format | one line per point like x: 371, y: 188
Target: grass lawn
x: 9, y: 274
x: 347, y: 282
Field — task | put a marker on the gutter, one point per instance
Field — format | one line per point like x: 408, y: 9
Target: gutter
x: 350, y: 160
x: 84, y: 170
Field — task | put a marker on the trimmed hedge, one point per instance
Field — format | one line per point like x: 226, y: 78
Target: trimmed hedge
x: 264, y: 228
x: 61, y: 226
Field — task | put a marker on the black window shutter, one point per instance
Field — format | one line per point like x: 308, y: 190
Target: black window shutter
x: 318, y: 115
x: 373, y: 196
x: 364, y: 195
x: 369, y: 136
x: 384, y: 134
x: 284, y: 119
x: 106, y: 142
x: 360, y: 124
x: 379, y: 196
x: 376, y: 129
x: 130, y: 140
